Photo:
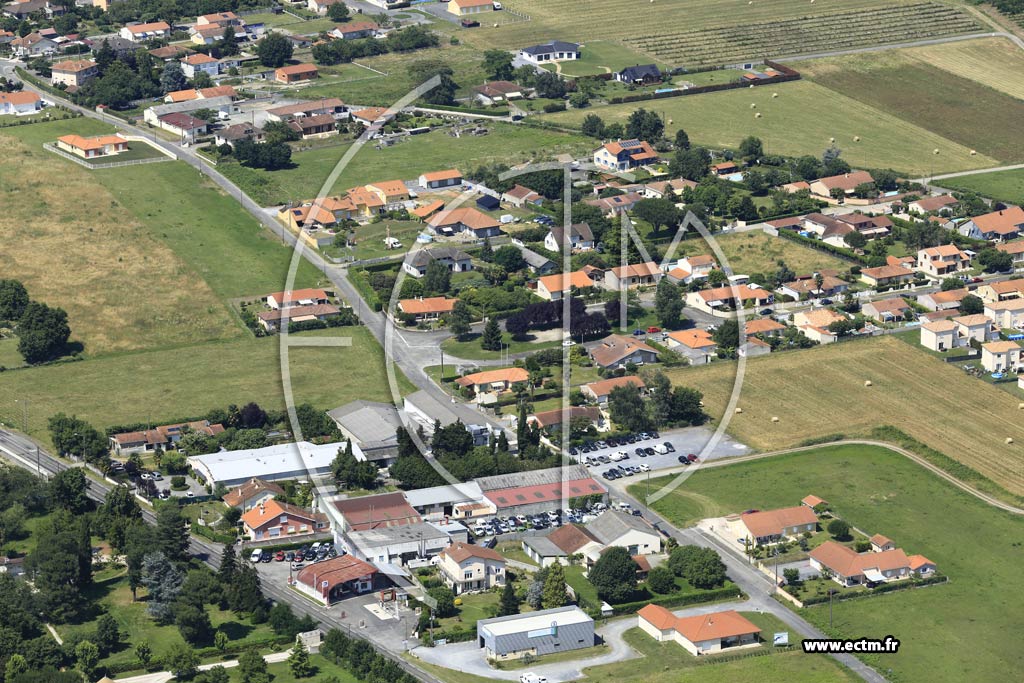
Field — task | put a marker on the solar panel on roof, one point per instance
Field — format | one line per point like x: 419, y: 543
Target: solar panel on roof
x: 627, y: 144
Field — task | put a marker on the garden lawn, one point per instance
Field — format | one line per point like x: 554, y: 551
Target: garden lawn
x: 932, y: 401
x: 716, y: 77
x: 470, y: 348
x: 601, y: 57
x: 76, y: 240
x: 723, y: 119
x: 406, y: 160
x: 953, y: 106
x: 173, y: 383
x: 584, y: 590
x: 1006, y: 186
x: 971, y: 621
x: 136, y: 151
x: 282, y: 674
x: 757, y: 252
x: 137, y: 626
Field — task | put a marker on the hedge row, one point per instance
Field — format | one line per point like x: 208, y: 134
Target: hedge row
x: 215, y: 536
x: 703, y: 89
x: 884, y: 588
x: 679, y: 600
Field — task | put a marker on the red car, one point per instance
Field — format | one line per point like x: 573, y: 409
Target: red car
x: 279, y: 557
x: 653, y: 330
x: 692, y: 457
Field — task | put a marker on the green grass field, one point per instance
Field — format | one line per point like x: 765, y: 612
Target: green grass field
x: 9, y: 356
x: 953, y: 106
x: 723, y: 119
x: 1007, y: 186
x: 971, y: 621
x: 136, y: 151
x: 470, y: 348
x: 282, y: 674
x: 167, y: 384
x: 757, y: 252
x: 932, y: 401
x: 417, y: 154
x: 995, y: 62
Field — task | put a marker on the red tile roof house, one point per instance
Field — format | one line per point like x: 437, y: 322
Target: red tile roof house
x: 439, y: 179
x: 498, y: 91
x: 728, y: 297
x: 942, y: 260
x: 695, y: 344
x: 1014, y: 249
x: 600, y: 391
x: 163, y: 437
x: 20, y: 103
x: 553, y: 287
x: 520, y: 196
x: 887, y: 310
x: 998, y: 226
x: 493, y: 381
x: 884, y: 276
x: 465, y: 219
x: 430, y: 308
x: 251, y: 494
x: 332, y: 580
x: 74, y: 72
x: 849, y: 568
x: 297, y: 297
x: 700, y: 634
x: 770, y: 526
x: 846, y: 182
x: 274, y: 519
x: 617, y: 351
x: 629, y: 277
x: 551, y: 420
x: 296, y: 73
x: 471, y: 568
x: 625, y: 155
x: 94, y: 147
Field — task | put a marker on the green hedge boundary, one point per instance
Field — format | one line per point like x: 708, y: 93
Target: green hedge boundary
x: 679, y: 600
x: 884, y: 588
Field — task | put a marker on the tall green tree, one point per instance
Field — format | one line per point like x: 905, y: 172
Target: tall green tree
x: 274, y: 50
x: 13, y: 300
x: 69, y: 490
x: 668, y: 304
x: 614, y: 575
x: 437, y: 278
x: 163, y: 583
x: 181, y: 660
x: 498, y: 64
x: 338, y: 12
x: 43, y: 333
x: 509, y: 603
x: 228, y: 565
x: 491, y: 338
x: 252, y: 668
x: 298, y: 662
x: 87, y: 656
x: 460, y: 319
x: 171, y: 535
x: 246, y: 596
x: 555, y: 594
x: 627, y: 410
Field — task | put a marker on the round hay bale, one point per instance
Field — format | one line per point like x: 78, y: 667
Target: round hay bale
x: 867, y: 383
x: 831, y: 139
x: 935, y: 151
x: 757, y: 115
x: 739, y: 410
x: 1008, y: 441
x: 974, y: 152
x: 1020, y: 406
x: 774, y: 95
x: 753, y: 105
x: 856, y: 138
x: 775, y: 419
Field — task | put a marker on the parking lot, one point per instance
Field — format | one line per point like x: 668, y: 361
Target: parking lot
x: 684, y: 441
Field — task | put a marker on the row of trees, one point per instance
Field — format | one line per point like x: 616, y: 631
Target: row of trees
x: 344, y: 51
x: 43, y: 332
x: 667, y: 406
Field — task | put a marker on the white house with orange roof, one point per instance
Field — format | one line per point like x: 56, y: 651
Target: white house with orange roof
x: 469, y: 568
x: 1006, y: 315
x: 632, y: 276
x: 20, y: 103
x: 73, y: 72
x: 846, y: 182
x: 426, y: 308
x: 297, y: 297
x: 276, y: 519
x: 493, y: 381
x: 939, y: 335
x: 997, y: 226
x: 769, y: 526
x: 600, y: 390
x: 812, y: 501
x: 850, y: 568
x: 1001, y: 291
x: 93, y: 147
x: 941, y: 261
x: 975, y: 326
x: 814, y: 324
x: 140, y: 32
x: 1001, y: 356
x: 392, y: 192
x: 691, y: 268
x: 462, y: 8
x: 554, y: 287
x: 200, y: 63
x: 694, y: 344
x: 625, y: 155
x: 440, y: 179
x: 728, y: 297
x: 700, y: 634
x: 1014, y: 249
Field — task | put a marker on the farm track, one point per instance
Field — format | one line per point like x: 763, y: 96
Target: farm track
x: 806, y: 34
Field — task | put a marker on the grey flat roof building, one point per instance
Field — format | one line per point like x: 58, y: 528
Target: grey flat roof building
x: 372, y: 425
x: 536, y: 633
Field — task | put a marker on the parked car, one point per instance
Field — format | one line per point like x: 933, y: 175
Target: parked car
x: 470, y: 23
x: 765, y: 311
x: 641, y: 452
x: 826, y: 302
x: 653, y: 330
x: 644, y: 468
x: 266, y: 556
x: 683, y: 460
x: 669, y: 448
x: 692, y: 457
x: 279, y: 556
x: 289, y: 556
x: 256, y: 555
x: 297, y: 565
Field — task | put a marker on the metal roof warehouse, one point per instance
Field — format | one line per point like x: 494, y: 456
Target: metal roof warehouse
x: 301, y: 460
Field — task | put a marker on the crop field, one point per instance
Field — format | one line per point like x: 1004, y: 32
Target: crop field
x: 972, y: 631
x: 1007, y: 186
x: 185, y: 381
x: 995, y: 62
x: 77, y: 245
x: 417, y: 154
x: 757, y: 252
x: 723, y: 119
x: 953, y: 106
x: 695, y: 32
x: 932, y: 401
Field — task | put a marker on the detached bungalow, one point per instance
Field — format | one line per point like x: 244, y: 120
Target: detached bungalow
x: 555, y: 51
x: 20, y: 103
x: 770, y: 526
x: 93, y: 147
x: 720, y: 298
x: 354, y: 30
x: 887, y: 310
x: 498, y: 91
x: 297, y: 297
x: 998, y: 226
x: 430, y: 308
x: 695, y: 344
x: 617, y: 351
x: 462, y: 8
x: 600, y: 391
x: 943, y: 301
x: 942, y: 204
x: 807, y: 287
x: 456, y: 260
x: 180, y: 123
x: 641, y: 74
x: 849, y: 568
x: 846, y: 182
x: 296, y: 73
x: 814, y: 324
x: 550, y: 420
x: 614, y: 206
x: 139, y: 32
x: 493, y: 381
x: 886, y: 276
x: 701, y: 634
x: 272, y: 320
x: 629, y: 277
x: 520, y: 196
x: 454, y: 221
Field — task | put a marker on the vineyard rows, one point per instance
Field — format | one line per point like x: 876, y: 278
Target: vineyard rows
x: 726, y: 45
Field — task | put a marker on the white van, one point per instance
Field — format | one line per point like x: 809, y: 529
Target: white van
x: 255, y: 557
x: 660, y: 448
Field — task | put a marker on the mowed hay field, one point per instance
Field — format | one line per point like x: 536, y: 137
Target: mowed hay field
x: 77, y: 246
x: 820, y: 391
x: 755, y: 252
x: 692, y: 32
x: 954, y: 106
x: 156, y: 386
x: 801, y: 120
x: 995, y: 62
x: 1007, y: 186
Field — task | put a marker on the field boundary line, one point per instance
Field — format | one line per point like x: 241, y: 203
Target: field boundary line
x: 920, y: 460
x: 900, y: 46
